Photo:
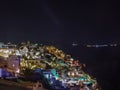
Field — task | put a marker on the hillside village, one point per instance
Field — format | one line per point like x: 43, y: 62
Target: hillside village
x: 24, y: 59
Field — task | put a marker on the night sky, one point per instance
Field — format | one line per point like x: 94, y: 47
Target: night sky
x: 62, y: 22
x: 59, y: 21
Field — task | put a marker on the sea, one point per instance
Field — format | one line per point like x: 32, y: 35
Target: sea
x: 103, y: 63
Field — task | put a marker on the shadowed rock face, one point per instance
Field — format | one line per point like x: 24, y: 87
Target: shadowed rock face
x: 2, y: 62
x: 5, y: 87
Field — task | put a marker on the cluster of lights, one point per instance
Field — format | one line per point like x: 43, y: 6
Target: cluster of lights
x: 102, y: 45
x: 58, y: 53
x: 36, y: 57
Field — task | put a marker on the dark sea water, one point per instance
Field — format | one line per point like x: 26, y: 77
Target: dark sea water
x: 102, y: 63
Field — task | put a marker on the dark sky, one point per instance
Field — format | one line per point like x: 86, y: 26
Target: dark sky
x: 59, y: 21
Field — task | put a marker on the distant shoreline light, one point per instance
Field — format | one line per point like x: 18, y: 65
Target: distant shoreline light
x: 102, y: 45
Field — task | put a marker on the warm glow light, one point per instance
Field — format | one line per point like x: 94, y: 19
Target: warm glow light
x: 18, y: 71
